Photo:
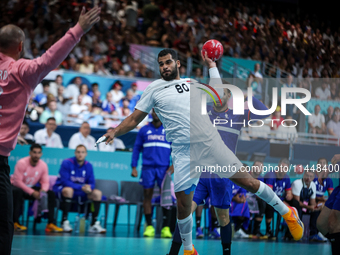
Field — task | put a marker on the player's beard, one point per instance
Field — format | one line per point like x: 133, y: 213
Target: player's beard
x: 171, y: 76
x: 218, y: 107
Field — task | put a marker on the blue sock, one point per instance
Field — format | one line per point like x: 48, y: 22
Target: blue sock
x: 226, y: 239
x: 176, y: 242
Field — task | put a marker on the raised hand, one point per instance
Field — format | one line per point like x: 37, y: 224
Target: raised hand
x: 208, y: 61
x: 87, y: 20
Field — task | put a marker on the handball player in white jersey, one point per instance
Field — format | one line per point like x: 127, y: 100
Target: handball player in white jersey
x: 195, y: 142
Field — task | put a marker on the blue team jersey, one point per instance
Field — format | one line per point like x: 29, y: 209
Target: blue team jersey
x: 74, y: 176
x: 279, y: 186
x: 152, y: 142
x: 229, y: 131
x: 321, y: 190
x: 237, y: 189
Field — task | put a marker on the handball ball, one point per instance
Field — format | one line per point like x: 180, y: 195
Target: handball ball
x: 213, y: 48
x: 299, y: 169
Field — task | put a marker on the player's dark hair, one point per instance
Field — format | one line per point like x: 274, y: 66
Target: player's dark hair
x: 165, y: 52
x: 260, y: 161
x: 50, y: 118
x: 94, y: 84
x: 35, y: 146
x: 322, y: 159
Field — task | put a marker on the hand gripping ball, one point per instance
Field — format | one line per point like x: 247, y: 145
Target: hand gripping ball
x: 214, y: 49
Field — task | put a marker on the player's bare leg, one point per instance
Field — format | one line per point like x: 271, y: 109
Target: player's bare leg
x: 185, y: 222
x: 226, y: 233
x: 244, y: 180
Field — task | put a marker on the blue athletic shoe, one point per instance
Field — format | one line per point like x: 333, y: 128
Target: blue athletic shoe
x: 316, y: 238
x: 214, y: 234
x: 199, y: 233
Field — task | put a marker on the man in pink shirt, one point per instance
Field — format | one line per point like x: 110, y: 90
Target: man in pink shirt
x: 18, y: 78
x: 30, y: 171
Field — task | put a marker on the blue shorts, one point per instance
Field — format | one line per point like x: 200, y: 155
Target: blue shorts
x: 218, y: 189
x: 78, y: 195
x: 150, y: 175
x: 333, y: 202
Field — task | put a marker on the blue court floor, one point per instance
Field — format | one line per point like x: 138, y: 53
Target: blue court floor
x: 126, y: 243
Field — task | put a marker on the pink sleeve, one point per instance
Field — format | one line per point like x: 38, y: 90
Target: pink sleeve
x: 33, y: 71
x: 45, y: 181
x: 18, y: 178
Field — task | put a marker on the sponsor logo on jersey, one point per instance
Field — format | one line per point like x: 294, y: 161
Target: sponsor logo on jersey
x: 149, y: 132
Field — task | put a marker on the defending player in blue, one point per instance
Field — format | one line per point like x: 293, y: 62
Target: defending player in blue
x: 211, y: 185
x: 156, y: 151
x: 328, y: 222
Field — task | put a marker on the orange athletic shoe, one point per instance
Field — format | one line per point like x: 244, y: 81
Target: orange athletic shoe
x: 18, y: 227
x: 192, y: 252
x: 294, y: 223
x: 53, y: 228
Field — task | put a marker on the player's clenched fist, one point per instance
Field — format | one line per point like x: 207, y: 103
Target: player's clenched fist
x: 87, y: 20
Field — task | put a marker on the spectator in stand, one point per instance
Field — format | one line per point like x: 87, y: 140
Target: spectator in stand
x: 181, y: 44
x: 76, y: 182
x: 136, y: 93
x: 182, y: 72
x: 116, y: 91
x: 304, y: 191
x: 334, y: 92
x: 117, y: 144
x: 328, y: 116
x: 316, y: 122
x: 51, y: 111
x: 30, y: 181
x: 41, y: 99
x: 86, y: 67
x: 198, y: 74
x: 333, y: 126
x: 83, y: 137
x: 47, y: 136
x: 72, y: 90
x: 287, y: 132
x: 108, y: 106
x: 24, y: 137
x: 87, y: 100
x: 33, y: 110
x: 78, y: 108
x: 130, y: 98
x: 323, y: 92
x: 54, y: 85
x: 96, y: 101
x: 100, y: 69
x: 277, y: 119
x: 94, y: 88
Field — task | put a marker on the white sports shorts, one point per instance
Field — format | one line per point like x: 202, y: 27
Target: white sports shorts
x: 191, y: 159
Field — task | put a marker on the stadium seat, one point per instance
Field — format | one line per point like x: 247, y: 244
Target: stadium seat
x: 134, y: 194
x: 108, y: 188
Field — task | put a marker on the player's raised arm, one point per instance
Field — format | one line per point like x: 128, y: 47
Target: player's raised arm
x: 127, y: 125
x: 33, y: 71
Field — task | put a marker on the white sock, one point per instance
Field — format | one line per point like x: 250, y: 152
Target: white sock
x: 185, y: 229
x: 269, y: 196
